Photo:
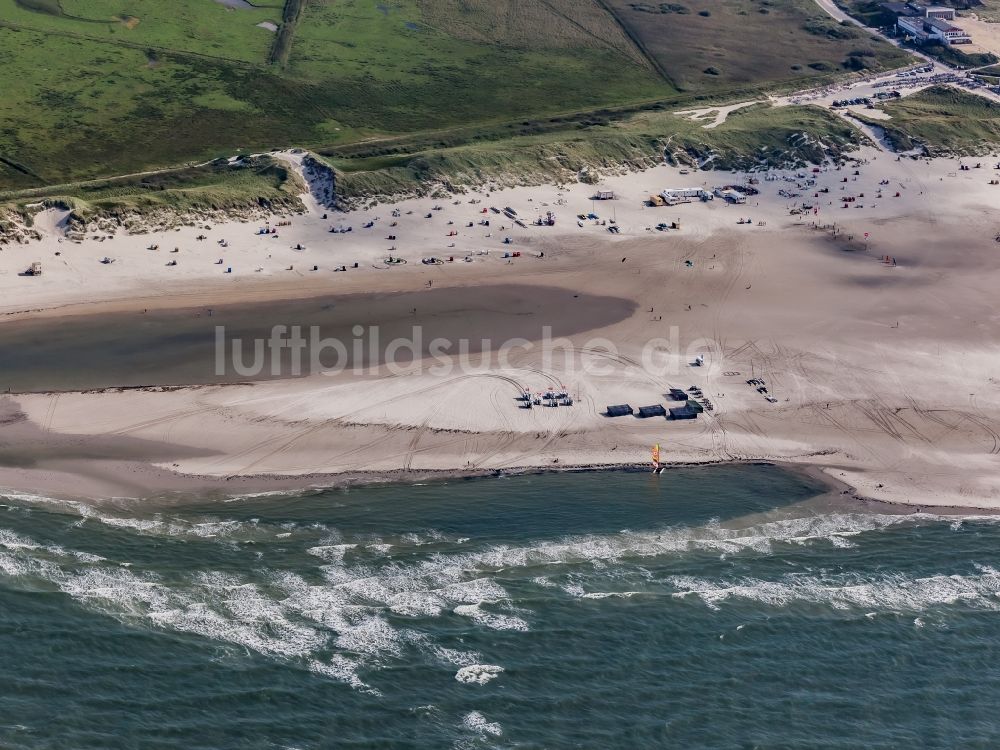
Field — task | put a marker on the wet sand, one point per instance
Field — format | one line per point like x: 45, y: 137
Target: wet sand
x: 166, y: 347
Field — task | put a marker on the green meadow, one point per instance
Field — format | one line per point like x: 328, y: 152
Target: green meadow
x: 943, y: 121
x: 98, y: 88
x: 704, y: 45
x: 203, y: 27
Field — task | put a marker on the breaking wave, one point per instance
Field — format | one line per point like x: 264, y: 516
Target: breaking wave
x: 474, y: 721
x: 889, y: 593
x: 478, y: 674
x: 365, y: 602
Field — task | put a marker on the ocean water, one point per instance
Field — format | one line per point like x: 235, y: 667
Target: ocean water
x: 718, y: 608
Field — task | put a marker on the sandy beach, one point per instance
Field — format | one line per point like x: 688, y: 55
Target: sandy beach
x: 882, y: 373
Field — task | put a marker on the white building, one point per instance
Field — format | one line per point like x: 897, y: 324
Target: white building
x: 673, y: 196
x: 946, y: 32
x: 932, y: 29
x: 938, y: 11
x: 730, y: 196
x: 912, y: 27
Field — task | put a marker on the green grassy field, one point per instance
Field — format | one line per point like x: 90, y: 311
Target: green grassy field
x: 80, y: 110
x: 201, y: 27
x: 88, y: 94
x: 95, y: 88
x: 412, y: 65
x: 412, y: 41
x: 711, y: 44
x: 944, y: 121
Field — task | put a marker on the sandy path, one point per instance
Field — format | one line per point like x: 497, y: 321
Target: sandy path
x: 714, y: 115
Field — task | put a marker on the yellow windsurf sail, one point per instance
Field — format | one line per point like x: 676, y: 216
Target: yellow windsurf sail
x: 656, y: 453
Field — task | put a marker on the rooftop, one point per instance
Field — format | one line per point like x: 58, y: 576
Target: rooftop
x: 900, y: 9
x: 941, y: 24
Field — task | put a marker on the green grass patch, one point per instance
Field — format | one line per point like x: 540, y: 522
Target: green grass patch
x: 750, y: 42
x: 943, y: 121
x: 869, y: 12
x: 74, y: 109
x: 94, y: 88
x: 281, y: 47
x: 203, y: 27
x: 412, y: 65
x: 221, y: 186
x: 85, y: 97
x: 51, y: 7
x: 952, y: 55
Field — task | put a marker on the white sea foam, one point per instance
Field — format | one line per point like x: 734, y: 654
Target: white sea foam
x: 355, y: 608
x: 476, y: 591
x: 842, y: 542
x: 417, y: 604
x: 454, y: 656
x: 443, y: 569
x: 478, y: 674
x: 331, y: 552
x: 443, y: 654
x: 20, y: 566
x: 896, y: 593
x: 158, y: 524
x: 29, y: 498
x: 491, y: 619
x: 10, y: 540
x: 342, y: 669
x: 264, y: 494
x: 611, y: 595
x: 371, y: 636
x: 427, y: 537
x: 212, y: 605
x: 474, y: 721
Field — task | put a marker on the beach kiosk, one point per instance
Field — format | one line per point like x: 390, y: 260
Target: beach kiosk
x: 656, y: 410
x: 619, y: 410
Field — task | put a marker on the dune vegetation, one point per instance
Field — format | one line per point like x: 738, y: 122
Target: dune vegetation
x: 102, y: 88
x: 942, y: 120
x: 750, y: 137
